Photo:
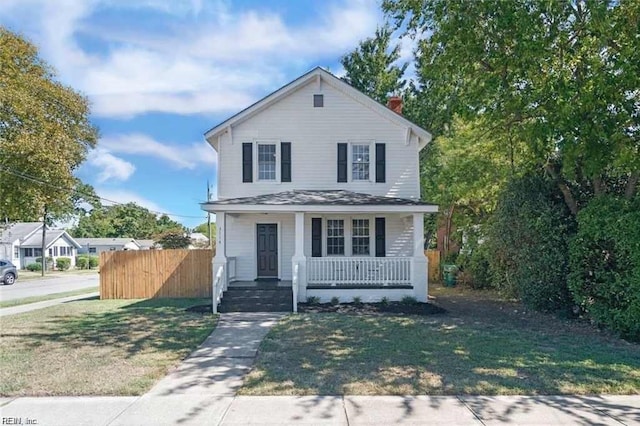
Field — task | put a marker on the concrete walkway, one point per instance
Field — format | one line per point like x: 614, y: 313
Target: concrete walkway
x: 45, y: 304
x: 202, y: 391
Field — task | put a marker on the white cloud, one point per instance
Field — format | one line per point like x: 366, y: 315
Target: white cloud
x: 111, y: 167
x: 182, y: 157
x: 123, y: 196
x: 206, y: 57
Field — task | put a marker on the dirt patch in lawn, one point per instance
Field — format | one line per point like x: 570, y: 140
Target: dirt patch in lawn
x: 394, y: 308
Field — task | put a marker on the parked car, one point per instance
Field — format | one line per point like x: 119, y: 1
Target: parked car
x: 8, y: 272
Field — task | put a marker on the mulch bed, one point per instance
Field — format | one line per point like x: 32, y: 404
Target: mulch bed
x: 373, y: 308
x: 355, y: 308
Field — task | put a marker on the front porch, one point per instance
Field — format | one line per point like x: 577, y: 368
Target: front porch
x: 366, y: 251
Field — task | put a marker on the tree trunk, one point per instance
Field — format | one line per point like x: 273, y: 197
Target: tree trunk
x: 598, y: 189
x: 569, y: 199
x: 632, y: 185
x: 43, y: 257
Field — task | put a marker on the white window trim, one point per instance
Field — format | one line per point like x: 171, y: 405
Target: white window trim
x: 372, y: 160
x: 348, y: 235
x: 256, y: 166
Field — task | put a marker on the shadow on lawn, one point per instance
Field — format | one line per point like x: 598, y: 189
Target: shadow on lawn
x: 149, y: 325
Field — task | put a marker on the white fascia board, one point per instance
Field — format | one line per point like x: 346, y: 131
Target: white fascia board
x: 260, y: 208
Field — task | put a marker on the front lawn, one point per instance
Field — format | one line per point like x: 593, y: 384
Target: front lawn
x: 494, y: 349
x: 97, y: 347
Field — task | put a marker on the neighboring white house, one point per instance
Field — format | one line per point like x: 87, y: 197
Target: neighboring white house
x: 147, y: 244
x: 319, y: 178
x: 22, y: 244
x: 98, y: 245
x: 198, y: 240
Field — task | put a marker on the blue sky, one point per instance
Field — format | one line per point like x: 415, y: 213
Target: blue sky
x: 159, y: 73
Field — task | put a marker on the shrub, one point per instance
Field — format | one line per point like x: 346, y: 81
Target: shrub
x: 34, y: 267
x: 474, y: 261
x: 63, y: 263
x: 82, y: 262
x: 384, y: 301
x: 93, y: 262
x: 313, y: 300
x: 528, y: 239
x: 605, y: 264
x: 409, y: 300
x: 49, y: 262
x: 335, y: 300
x: 357, y: 300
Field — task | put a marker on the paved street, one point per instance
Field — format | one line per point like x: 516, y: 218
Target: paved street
x: 41, y: 287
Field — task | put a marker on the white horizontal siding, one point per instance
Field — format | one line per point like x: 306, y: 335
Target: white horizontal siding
x: 314, y: 134
x: 241, y: 243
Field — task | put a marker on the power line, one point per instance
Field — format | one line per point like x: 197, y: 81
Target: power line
x: 76, y: 191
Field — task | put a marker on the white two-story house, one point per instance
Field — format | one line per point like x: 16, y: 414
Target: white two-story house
x: 318, y: 187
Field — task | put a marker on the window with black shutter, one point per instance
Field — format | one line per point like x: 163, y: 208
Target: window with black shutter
x: 285, y: 162
x: 342, y: 162
x: 316, y: 237
x: 247, y: 162
x: 380, y: 237
x: 381, y: 174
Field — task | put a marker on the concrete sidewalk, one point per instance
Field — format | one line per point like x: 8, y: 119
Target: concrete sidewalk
x: 45, y: 304
x: 186, y: 409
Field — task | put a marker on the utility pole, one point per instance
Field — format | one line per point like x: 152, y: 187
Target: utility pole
x: 209, y: 214
x: 43, y: 257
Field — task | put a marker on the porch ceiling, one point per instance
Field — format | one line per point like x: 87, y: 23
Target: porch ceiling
x: 320, y: 201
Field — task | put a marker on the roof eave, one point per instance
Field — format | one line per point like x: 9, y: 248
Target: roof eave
x: 315, y: 208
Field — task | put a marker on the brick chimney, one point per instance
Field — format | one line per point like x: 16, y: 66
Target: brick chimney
x: 395, y: 104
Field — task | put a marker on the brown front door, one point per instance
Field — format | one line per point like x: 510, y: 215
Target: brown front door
x: 267, y: 250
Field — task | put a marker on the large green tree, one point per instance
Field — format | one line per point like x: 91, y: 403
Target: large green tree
x: 124, y: 220
x: 561, y: 76
x: 371, y: 67
x: 45, y: 133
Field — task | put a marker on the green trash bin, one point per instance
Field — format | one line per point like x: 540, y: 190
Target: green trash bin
x: 449, y: 272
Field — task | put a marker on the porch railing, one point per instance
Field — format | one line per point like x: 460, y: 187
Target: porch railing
x: 231, y: 265
x: 347, y: 271
x: 218, y: 289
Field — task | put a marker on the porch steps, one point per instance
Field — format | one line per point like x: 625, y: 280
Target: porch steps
x: 257, y: 300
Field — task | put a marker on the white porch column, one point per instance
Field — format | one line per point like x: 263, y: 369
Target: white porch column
x: 220, y: 258
x: 299, y: 258
x: 419, y: 265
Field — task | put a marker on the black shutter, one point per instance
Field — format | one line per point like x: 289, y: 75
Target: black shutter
x: 342, y: 162
x: 316, y: 237
x: 285, y: 162
x: 247, y: 162
x: 380, y: 237
x: 380, y: 163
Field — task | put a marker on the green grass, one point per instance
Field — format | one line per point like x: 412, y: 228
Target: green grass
x: 440, y: 355
x: 34, y: 299
x: 97, y: 347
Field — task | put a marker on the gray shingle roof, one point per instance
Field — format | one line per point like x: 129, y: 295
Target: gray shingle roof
x: 104, y: 241
x: 51, y: 236
x: 18, y: 231
x: 320, y: 198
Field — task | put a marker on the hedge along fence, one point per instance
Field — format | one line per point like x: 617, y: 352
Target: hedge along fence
x: 143, y: 274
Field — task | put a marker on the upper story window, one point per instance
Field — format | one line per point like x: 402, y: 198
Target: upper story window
x: 360, y: 244
x: 318, y: 101
x: 360, y: 161
x: 266, y: 161
x: 335, y: 237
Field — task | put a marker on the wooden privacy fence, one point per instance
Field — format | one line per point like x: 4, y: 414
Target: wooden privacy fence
x: 434, y: 264
x: 142, y: 274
